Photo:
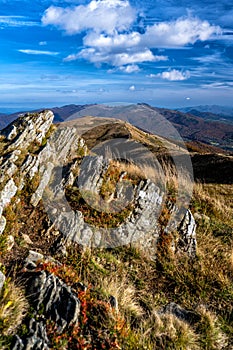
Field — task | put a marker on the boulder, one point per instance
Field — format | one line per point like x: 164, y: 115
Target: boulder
x: 53, y: 298
x: 187, y: 234
x: 36, y: 339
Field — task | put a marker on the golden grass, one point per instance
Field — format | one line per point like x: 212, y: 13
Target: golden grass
x: 166, y: 332
x: 211, y: 336
x: 13, y: 307
x: 125, y: 294
x: 215, y: 200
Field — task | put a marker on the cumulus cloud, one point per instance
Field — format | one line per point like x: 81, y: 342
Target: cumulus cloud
x: 175, y: 75
x: 178, y: 33
x: 99, y: 15
x: 113, y: 42
x: 110, y: 34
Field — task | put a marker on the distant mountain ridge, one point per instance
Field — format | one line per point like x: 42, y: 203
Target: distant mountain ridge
x: 196, y: 126
x: 215, y: 109
x: 211, y: 112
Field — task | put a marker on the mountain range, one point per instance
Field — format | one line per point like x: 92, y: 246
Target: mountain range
x: 105, y: 236
x: 211, y: 125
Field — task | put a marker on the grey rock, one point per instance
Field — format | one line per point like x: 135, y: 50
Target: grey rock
x: 181, y: 313
x: 28, y: 128
x: 36, y: 339
x: 18, y: 344
x: 187, y: 235
x: 33, y: 258
x: 71, y: 224
x: 140, y: 227
x: 7, y: 194
x: 91, y: 174
x: 2, y: 224
x: 11, y: 133
x: 8, y: 167
x: 30, y: 166
x: 45, y: 177
x: 60, y: 148
x: 62, y: 145
x: 54, y: 298
x: 59, y: 247
x: 2, y: 280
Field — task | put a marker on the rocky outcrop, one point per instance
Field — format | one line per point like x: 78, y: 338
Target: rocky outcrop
x: 51, y: 299
x: 36, y: 338
x: 54, y: 298
x: 7, y: 194
x: 56, y: 166
x: 8, y: 166
x: 24, y: 131
x: 187, y: 235
x: 141, y: 225
x: 27, y: 129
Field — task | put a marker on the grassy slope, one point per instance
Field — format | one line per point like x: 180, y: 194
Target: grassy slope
x: 203, y: 285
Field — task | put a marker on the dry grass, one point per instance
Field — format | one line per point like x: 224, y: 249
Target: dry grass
x: 211, y: 336
x: 215, y: 200
x: 166, y: 332
x: 125, y: 294
x: 13, y: 307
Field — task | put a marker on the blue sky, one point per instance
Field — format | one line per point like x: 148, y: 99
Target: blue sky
x: 166, y: 53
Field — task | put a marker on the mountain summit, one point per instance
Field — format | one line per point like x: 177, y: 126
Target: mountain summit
x: 102, y: 239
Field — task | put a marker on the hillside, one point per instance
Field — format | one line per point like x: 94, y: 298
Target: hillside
x: 198, y: 127
x: 212, y: 109
x: 222, y: 115
x: 106, y: 242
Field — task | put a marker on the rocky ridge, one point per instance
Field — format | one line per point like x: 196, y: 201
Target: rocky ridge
x: 32, y: 149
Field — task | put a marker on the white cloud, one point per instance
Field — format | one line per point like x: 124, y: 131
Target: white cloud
x: 43, y: 43
x: 175, y: 75
x: 132, y: 88
x: 124, y: 58
x: 178, y: 33
x: 115, y: 41
x: 99, y: 15
x: 38, y: 52
x: 208, y: 59
x: 133, y: 68
x: 17, y: 21
x: 111, y: 38
x: 96, y: 56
